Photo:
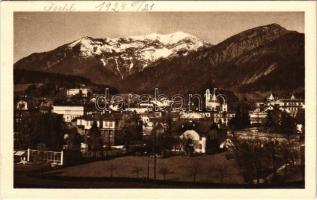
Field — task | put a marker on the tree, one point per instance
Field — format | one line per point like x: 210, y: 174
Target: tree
x: 272, y: 151
x: 30, y: 90
x: 132, y: 132
x: 288, y: 155
x: 164, y: 171
x: 281, y: 121
x: 73, y: 139
x: 167, y: 118
x: 219, y: 171
x: 38, y: 128
x: 253, y: 159
x: 194, y: 169
x: 288, y: 125
x: 157, y: 130
x: 95, y: 142
x: 273, y: 119
x: 214, y: 136
x: 241, y: 119
x: 165, y: 143
x: 111, y: 168
x: 188, y: 146
x: 136, y: 170
x: 300, y: 116
x: 302, y: 162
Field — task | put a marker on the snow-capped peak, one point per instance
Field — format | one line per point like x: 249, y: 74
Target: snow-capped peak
x: 143, y: 49
x: 166, y: 38
x: 83, y: 40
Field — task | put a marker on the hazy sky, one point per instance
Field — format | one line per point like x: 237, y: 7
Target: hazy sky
x: 38, y: 32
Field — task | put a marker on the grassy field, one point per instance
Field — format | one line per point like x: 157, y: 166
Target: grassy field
x: 202, y: 168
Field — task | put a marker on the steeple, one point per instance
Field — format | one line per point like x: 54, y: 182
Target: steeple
x: 271, y: 97
x: 207, y: 91
x: 207, y: 95
x: 293, y: 97
x: 214, y: 97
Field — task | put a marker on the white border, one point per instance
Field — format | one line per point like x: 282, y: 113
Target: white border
x: 7, y: 191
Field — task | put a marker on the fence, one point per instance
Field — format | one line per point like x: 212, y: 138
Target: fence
x: 56, y: 157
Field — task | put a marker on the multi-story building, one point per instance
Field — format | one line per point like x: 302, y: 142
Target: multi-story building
x: 290, y: 105
x: 222, y: 117
x: 219, y: 108
x: 194, y: 115
x: 108, y: 126
x: 69, y: 112
x: 147, y: 124
x: 77, y: 91
x: 215, y: 102
x: 257, y: 116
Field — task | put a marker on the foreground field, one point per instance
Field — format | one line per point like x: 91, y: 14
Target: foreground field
x: 203, y: 168
x: 182, y: 172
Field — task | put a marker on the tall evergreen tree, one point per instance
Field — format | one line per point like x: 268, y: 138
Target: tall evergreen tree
x: 95, y: 142
x: 241, y: 119
x: 288, y: 126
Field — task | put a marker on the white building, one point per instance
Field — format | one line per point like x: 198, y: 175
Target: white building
x: 199, y: 143
x: 290, y: 105
x: 215, y: 102
x: 257, y: 116
x: 22, y: 105
x: 69, y: 112
x: 161, y: 103
x: 138, y: 110
x: 194, y: 115
x: 147, y: 125
x: 222, y: 117
x: 108, y: 127
x: 87, y: 123
x: 300, y: 128
x: 76, y: 91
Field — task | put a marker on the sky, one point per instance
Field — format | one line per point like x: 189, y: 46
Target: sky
x: 44, y: 31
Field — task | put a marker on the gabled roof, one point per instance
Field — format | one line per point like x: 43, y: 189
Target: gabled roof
x: 271, y: 97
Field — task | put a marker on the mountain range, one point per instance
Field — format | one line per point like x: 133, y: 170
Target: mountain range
x: 263, y: 58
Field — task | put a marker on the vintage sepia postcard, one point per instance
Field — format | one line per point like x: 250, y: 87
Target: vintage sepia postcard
x: 117, y: 99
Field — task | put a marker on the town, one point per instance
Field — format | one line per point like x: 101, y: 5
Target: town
x: 203, y: 139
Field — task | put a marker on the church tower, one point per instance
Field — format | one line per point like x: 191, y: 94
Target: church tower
x: 207, y: 97
x: 211, y: 100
